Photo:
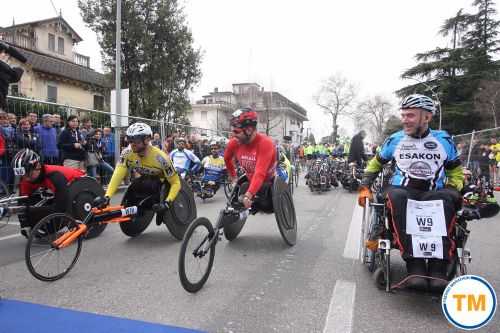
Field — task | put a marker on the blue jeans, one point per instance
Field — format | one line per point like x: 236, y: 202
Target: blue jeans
x: 103, y: 166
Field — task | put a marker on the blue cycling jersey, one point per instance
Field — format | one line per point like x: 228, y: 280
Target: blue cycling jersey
x: 420, y: 162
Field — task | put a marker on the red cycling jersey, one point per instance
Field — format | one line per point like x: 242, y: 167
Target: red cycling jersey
x: 258, y: 159
x: 26, y: 187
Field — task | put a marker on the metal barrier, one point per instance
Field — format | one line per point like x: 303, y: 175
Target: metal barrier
x: 33, y: 111
x: 477, y: 152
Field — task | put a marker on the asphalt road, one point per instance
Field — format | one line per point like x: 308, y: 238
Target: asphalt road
x: 258, y: 284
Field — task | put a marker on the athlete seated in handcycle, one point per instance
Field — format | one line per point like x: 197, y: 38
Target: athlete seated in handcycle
x: 35, y: 175
x: 214, y: 172
x: 256, y: 155
x: 427, y: 168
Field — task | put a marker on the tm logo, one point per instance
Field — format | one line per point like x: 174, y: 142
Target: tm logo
x: 469, y: 302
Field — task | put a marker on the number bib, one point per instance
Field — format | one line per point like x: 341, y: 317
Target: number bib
x: 425, y: 218
x: 427, y: 247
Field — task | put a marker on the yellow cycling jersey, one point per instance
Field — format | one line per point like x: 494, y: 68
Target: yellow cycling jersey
x: 154, y: 163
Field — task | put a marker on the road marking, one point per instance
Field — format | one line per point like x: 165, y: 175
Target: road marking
x: 10, y: 236
x: 351, y: 249
x: 341, y: 309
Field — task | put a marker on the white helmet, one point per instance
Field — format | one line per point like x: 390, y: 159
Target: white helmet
x: 139, y: 129
x: 419, y: 102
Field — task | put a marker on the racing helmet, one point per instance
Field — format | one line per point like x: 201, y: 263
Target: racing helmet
x: 420, y: 102
x: 139, y: 130
x: 244, y: 117
x: 214, y: 144
x: 25, y: 161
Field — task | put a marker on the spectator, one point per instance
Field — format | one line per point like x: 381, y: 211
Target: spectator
x: 33, y: 120
x: 109, y: 146
x: 493, y: 151
x: 12, y: 120
x: 57, y: 123
x: 8, y: 138
x: 95, y: 150
x: 168, y: 144
x: 156, y: 140
x: 71, y: 143
x: 48, y: 141
x: 357, y: 149
x: 25, y: 138
x: 86, y: 127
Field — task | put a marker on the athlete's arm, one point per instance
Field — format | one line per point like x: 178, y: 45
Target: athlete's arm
x: 266, y: 155
x: 170, y: 175
x: 229, y: 154
x: 119, y: 173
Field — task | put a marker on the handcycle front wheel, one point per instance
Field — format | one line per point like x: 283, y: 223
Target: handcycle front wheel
x: 44, y: 261
x: 196, y: 257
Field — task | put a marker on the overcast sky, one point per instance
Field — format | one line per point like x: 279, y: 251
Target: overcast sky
x: 289, y: 46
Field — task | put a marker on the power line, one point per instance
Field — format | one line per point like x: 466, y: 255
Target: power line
x: 55, y: 9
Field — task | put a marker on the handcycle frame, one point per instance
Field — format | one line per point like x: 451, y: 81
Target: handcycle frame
x: 380, y: 263
x: 230, y: 221
x: 111, y: 214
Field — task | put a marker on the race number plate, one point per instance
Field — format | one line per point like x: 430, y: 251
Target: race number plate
x: 425, y: 218
x: 427, y: 247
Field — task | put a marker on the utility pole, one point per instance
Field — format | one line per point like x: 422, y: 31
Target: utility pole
x: 118, y: 71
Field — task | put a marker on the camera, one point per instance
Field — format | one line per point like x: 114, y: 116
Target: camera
x: 9, y: 74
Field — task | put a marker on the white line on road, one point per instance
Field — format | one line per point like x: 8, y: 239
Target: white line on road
x: 351, y: 249
x: 341, y: 309
x: 10, y: 236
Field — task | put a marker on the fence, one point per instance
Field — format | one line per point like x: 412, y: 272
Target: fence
x: 477, y: 152
x: 33, y: 110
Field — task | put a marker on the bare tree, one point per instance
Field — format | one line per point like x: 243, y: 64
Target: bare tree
x: 372, y: 114
x: 335, y: 98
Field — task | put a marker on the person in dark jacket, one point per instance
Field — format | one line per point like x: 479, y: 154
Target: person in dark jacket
x: 357, y: 149
x: 71, y: 143
x: 48, y: 138
x: 25, y: 138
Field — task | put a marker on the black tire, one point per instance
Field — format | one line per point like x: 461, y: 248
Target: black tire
x: 139, y: 222
x: 231, y: 231
x: 82, y: 192
x: 379, y: 278
x: 206, y: 229
x: 296, y: 175
x: 4, y: 192
x: 284, y: 211
x: 291, y: 184
x: 182, y: 212
x: 42, y: 235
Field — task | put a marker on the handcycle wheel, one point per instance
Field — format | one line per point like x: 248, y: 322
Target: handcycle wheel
x: 284, y: 212
x: 44, y: 261
x: 232, y: 230
x: 291, y: 181
x: 379, y: 278
x: 181, y: 213
x: 195, y: 267
x: 296, y: 176
x: 228, y: 189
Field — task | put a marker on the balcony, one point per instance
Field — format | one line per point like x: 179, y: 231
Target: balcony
x: 20, y: 40
x: 81, y: 60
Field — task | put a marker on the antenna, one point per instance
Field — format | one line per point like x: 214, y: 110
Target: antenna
x: 52, y: 3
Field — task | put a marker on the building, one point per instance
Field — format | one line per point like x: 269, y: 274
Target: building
x: 278, y: 116
x: 54, y: 72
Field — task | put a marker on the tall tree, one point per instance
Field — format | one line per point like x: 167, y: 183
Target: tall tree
x: 335, y: 98
x: 159, y: 63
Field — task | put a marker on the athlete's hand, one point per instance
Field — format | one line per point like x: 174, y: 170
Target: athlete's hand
x: 247, y: 200
x: 101, y: 202
x: 363, y: 194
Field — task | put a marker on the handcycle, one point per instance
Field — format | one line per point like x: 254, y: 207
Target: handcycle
x: 55, y: 242
x: 201, y: 237
x: 377, y: 241
x: 81, y: 192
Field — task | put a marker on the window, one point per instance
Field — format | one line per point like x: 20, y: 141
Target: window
x: 14, y: 90
x: 52, y: 42
x: 60, y: 45
x: 204, y: 115
x: 51, y: 93
x: 98, y: 102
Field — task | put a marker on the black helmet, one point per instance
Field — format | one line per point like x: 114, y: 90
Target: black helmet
x: 25, y: 161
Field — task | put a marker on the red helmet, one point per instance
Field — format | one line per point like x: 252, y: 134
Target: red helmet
x: 244, y: 117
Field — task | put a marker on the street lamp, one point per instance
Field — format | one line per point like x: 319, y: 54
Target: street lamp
x: 435, y: 95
